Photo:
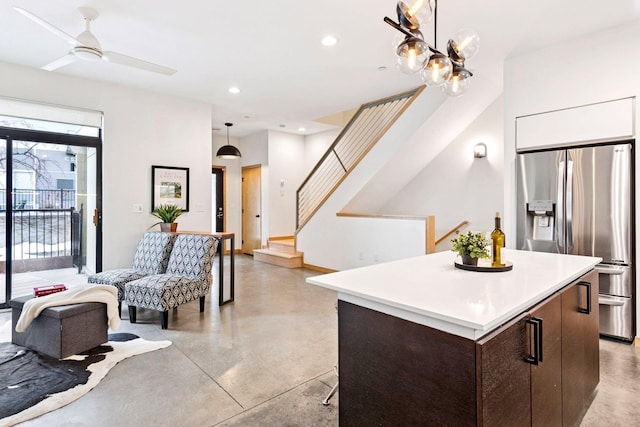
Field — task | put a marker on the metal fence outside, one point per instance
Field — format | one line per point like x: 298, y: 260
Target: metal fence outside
x: 42, y: 239
x: 38, y: 199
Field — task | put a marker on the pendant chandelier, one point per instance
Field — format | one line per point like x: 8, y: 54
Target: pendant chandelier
x: 228, y: 151
x: 415, y: 55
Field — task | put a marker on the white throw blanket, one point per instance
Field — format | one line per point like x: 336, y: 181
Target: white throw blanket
x: 106, y: 294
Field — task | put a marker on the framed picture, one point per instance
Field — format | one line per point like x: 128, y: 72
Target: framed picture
x: 170, y: 186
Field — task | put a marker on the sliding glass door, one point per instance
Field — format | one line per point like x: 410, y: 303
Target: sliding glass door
x: 49, y: 209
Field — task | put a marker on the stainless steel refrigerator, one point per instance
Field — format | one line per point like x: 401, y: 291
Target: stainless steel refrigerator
x: 580, y: 201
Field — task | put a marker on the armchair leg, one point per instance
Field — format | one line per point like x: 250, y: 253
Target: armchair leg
x: 164, y: 319
x: 202, y: 304
x: 132, y: 313
x: 120, y: 309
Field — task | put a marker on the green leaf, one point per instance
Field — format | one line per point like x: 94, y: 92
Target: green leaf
x: 167, y: 213
x: 471, y: 244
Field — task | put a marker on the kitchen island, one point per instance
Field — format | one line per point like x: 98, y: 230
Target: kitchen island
x: 421, y: 342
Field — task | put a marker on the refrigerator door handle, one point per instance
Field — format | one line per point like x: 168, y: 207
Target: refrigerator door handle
x: 605, y: 300
x: 569, y: 208
x: 560, y: 206
x: 611, y: 271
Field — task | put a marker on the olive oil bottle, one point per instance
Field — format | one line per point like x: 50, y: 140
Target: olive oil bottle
x: 497, y: 243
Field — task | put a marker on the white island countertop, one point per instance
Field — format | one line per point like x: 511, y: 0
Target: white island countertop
x: 430, y: 291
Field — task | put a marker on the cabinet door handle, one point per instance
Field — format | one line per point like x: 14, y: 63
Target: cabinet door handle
x: 537, y: 341
x: 588, y: 309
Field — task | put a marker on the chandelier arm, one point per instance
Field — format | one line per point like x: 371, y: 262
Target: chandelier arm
x: 408, y: 34
x: 397, y: 27
x: 435, y: 24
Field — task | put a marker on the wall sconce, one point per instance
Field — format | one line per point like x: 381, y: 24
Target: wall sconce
x: 480, y: 150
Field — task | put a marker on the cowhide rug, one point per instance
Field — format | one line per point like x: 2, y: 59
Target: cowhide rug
x: 32, y: 384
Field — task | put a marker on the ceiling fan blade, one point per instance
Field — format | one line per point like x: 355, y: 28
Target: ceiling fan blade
x: 60, y: 62
x: 55, y: 30
x: 118, y: 58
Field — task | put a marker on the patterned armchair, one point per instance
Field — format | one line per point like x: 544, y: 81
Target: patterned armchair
x: 152, y: 257
x: 188, y: 277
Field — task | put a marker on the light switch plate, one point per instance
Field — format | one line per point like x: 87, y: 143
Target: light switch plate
x: 137, y: 207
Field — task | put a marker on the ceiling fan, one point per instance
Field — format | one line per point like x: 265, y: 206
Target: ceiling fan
x: 87, y: 47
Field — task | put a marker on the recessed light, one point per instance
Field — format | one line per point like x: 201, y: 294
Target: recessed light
x: 301, y: 129
x: 234, y: 90
x: 329, y: 40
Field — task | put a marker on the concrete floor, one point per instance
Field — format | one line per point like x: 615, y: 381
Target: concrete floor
x: 266, y: 359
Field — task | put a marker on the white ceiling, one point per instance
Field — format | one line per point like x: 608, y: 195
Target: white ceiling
x: 271, y: 49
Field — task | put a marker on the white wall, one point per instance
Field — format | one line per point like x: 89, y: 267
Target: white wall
x: 316, y: 145
x: 140, y: 129
x: 286, y: 172
x: 591, y: 69
x: 455, y: 186
x: 436, y: 132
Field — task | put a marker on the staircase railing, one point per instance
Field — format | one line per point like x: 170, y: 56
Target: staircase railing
x: 450, y: 232
x: 364, y: 130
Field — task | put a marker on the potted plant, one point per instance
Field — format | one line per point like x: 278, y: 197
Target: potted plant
x: 470, y: 247
x: 167, y: 214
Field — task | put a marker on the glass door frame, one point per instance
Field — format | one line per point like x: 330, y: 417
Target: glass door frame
x: 13, y: 134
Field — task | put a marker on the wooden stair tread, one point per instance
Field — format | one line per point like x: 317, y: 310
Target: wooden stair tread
x: 279, y: 254
x: 281, y: 259
x: 282, y: 245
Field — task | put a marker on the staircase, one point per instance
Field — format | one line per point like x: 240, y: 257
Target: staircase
x: 280, y: 251
x: 370, y: 122
x: 367, y: 126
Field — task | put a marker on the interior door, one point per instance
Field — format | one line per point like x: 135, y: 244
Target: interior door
x: 251, y: 209
x: 217, y: 185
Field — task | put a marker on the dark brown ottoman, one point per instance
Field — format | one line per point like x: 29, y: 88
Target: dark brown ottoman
x: 62, y: 331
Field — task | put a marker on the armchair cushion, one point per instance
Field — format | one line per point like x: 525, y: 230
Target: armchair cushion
x: 152, y: 257
x: 164, y: 291
x: 117, y: 278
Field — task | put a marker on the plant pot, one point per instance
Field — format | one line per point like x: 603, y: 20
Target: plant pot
x: 168, y: 226
x: 468, y: 260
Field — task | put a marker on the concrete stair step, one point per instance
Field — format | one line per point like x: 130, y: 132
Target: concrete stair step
x: 278, y: 258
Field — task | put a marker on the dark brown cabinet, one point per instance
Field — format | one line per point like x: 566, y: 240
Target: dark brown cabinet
x: 504, y: 378
x: 580, y: 348
x: 521, y: 370
x: 542, y: 368
x: 539, y: 369
x: 546, y: 376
